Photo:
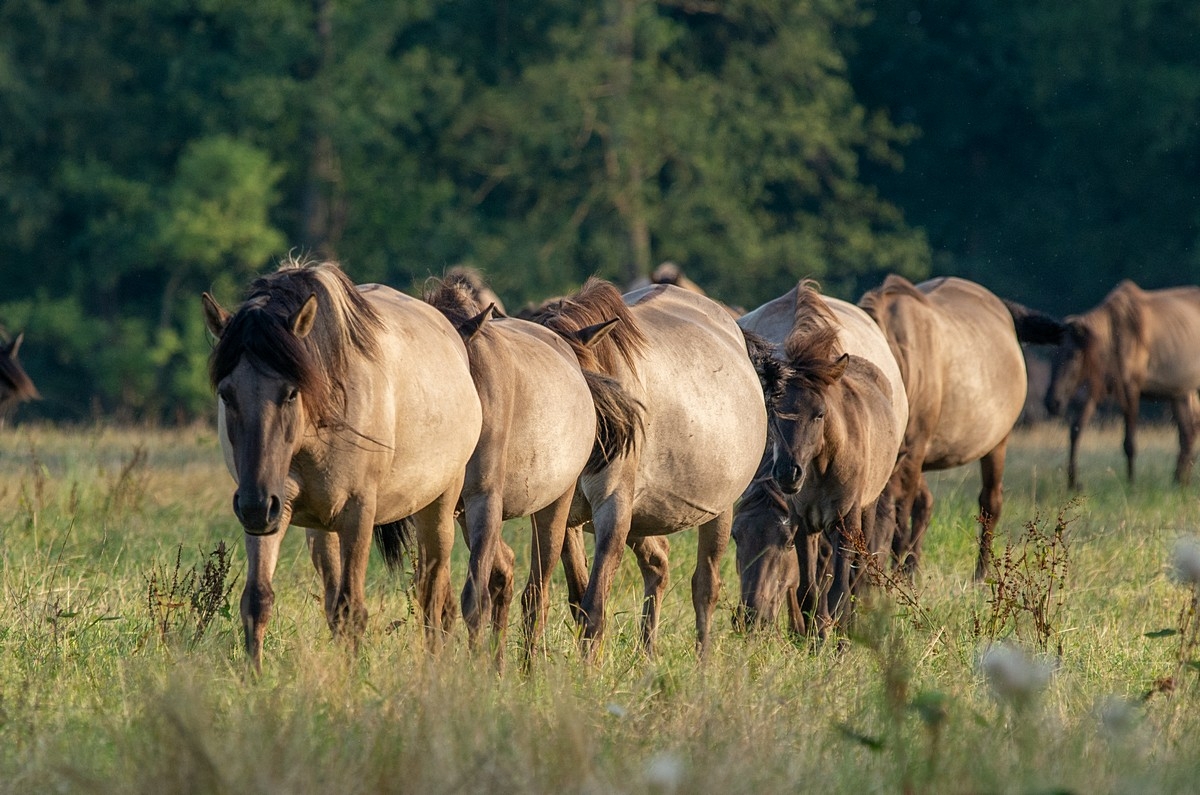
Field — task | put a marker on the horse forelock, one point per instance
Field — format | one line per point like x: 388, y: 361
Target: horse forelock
x: 596, y: 302
x: 812, y: 359
x: 345, y: 326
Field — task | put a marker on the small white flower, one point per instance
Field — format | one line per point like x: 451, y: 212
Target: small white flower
x: 1012, y: 674
x: 1185, y: 561
x: 664, y: 773
x: 616, y: 710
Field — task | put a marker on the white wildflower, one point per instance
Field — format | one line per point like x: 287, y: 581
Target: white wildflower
x: 616, y: 710
x: 1185, y: 561
x: 1012, y: 674
x: 664, y: 773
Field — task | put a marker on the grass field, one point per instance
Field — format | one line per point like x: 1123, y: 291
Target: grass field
x: 108, y: 683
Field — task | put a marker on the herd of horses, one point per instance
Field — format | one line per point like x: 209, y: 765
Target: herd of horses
x: 802, y: 430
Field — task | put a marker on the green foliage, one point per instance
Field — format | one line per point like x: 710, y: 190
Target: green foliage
x: 154, y: 150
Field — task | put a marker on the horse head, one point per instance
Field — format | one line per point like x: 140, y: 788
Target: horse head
x: 261, y: 410
x: 1069, y: 367
x: 798, y: 425
x: 766, y: 554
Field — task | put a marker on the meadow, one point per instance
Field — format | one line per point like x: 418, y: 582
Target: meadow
x: 121, y: 664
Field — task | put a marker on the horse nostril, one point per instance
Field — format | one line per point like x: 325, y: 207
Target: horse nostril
x: 237, y: 508
x: 273, y: 509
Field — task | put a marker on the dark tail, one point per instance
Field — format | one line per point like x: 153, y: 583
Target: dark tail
x: 619, y: 421
x: 394, y: 540
x: 1035, y: 327
x: 772, y: 371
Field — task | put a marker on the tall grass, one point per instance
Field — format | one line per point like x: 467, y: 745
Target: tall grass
x: 94, y: 696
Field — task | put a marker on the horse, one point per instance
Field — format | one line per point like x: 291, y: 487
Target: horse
x: 341, y: 408
x: 958, y: 347
x: 1135, y: 343
x: 838, y: 410
x: 545, y: 421
x: 15, y: 385
x: 684, y: 359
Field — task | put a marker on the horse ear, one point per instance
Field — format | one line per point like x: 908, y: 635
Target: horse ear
x: 15, y: 345
x: 839, y: 366
x: 302, y: 322
x: 590, y: 335
x: 469, y: 328
x: 215, y: 317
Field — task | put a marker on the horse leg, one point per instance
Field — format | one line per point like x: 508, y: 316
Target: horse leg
x: 575, y: 569
x: 326, y: 554
x: 611, y: 521
x: 823, y: 616
x: 549, y: 532
x: 1185, y: 412
x: 842, y: 554
x: 922, y: 515
x: 807, y: 552
x: 258, y: 597
x: 435, y: 533
x: 706, y: 580
x: 501, y: 588
x: 1130, y: 408
x: 355, y: 527
x: 482, y: 519
x: 991, y: 500
x: 904, y: 485
x: 1076, y: 425
x: 651, y: 553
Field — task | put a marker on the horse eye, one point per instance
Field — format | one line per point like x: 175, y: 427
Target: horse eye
x: 226, y: 397
x: 291, y: 396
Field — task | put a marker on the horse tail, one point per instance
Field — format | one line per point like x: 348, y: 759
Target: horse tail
x: 620, y: 419
x: 1034, y: 326
x: 772, y: 371
x: 394, y: 540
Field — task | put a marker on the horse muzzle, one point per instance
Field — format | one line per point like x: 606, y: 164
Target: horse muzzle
x: 789, y: 477
x: 259, y: 516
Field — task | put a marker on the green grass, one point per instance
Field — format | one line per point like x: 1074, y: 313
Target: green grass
x: 93, y: 699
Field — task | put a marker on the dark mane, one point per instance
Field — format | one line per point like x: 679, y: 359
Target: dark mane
x: 875, y: 302
x: 455, y: 296
x: 597, y: 302
x: 812, y: 347
x: 345, y: 326
x: 1124, y: 307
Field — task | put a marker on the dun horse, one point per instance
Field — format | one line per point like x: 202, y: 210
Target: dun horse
x: 341, y: 408
x: 540, y: 431
x: 836, y: 425
x: 684, y: 359
x: 15, y: 385
x: 958, y: 347
x: 1135, y: 343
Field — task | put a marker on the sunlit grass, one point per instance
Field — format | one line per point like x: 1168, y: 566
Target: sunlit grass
x: 91, y: 699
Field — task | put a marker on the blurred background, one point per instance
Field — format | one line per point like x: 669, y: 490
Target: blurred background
x: 153, y: 149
